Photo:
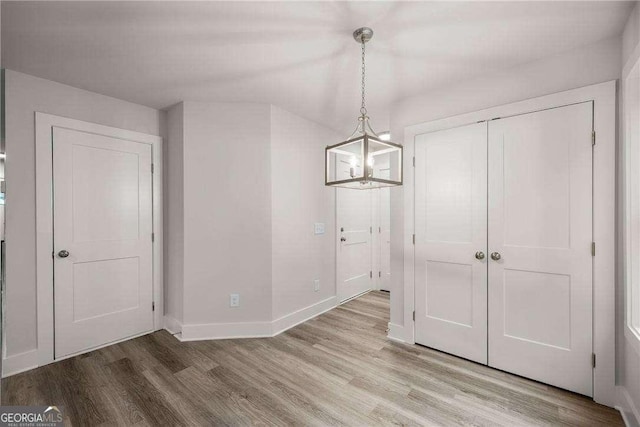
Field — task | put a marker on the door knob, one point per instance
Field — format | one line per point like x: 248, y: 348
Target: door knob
x: 480, y: 255
x: 63, y: 253
x: 495, y: 256
x: 343, y: 239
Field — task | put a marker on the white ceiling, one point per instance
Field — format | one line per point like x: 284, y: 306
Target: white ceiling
x: 297, y: 55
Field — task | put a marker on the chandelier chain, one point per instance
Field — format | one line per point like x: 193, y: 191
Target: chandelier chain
x: 363, y: 107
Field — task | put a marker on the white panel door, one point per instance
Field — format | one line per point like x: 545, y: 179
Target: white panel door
x: 103, y: 219
x: 451, y: 227
x: 354, y: 242
x: 540, y: 222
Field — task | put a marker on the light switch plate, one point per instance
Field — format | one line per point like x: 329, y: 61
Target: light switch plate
x: 318, y: 228
x: 316, y: 285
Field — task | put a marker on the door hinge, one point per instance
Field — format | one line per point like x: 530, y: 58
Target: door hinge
x: 414, y: 316
x: 53, y: 254
x: 414, y: 162
x: 593, y: 360
x: 152, y: 168
x: 379, y: 229
x: 593, y: 248
x: 370, y: 274
x: 370, y: 230
x: 379, y: 273
x: 153, y: 237
x: 414, y: 239
x: 153, y: 306
x: 593, y: 137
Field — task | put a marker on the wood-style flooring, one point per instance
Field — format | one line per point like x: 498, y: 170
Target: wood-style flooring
x: 337, y: 369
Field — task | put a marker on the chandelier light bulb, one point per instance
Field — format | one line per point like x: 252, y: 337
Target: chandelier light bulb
x: 353, y: 163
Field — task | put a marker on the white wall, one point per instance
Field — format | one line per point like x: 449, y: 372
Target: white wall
x: 24, y: 96
x: 247, y: 181
x: 174, y: 214
x: 581, y: 67
x: 628, y: 357
x: 227, y: 212
x: 631, y: 36
x: 299, y: 199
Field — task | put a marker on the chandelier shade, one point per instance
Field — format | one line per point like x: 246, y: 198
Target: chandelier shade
x: 364, y: 161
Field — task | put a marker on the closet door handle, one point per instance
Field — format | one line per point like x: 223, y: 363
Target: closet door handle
x: 480, y: 255
x: 495, y: 256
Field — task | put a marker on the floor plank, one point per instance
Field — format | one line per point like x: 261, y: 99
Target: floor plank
x: 336, y: 369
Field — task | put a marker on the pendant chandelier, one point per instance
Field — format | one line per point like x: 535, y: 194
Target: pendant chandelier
x: 364, y: 160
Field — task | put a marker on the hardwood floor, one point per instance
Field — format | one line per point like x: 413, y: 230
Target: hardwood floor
x: 337, y: 369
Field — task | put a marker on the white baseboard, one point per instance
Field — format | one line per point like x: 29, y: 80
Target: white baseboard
x: 19, y: 363
x: 626, y: 406
x: 396, y: 332
x: 172, y: 325
x: 290, y: 320
x: 219, y: 331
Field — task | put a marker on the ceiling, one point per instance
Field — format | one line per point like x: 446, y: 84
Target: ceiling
x: 297, y: 55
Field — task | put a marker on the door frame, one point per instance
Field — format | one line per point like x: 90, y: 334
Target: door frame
x: 376, y: 223
x: 44, y: 221
x: 603, y: 96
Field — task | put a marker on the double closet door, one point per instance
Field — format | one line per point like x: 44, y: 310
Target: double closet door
x: 503, y: 221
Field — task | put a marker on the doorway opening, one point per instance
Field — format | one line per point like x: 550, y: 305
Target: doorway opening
x: 363, y: 238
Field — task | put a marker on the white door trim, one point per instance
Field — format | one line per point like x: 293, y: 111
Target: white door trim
x: 604, y: 170
x: 44, y: 220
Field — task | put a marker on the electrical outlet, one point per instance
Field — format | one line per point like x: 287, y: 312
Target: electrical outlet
x: 318, y: 228
x: 234, y: 300
x: 316, y: 285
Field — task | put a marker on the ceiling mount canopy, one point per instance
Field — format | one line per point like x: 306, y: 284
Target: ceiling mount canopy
x: 364, y: 160
x: 363, y: 35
